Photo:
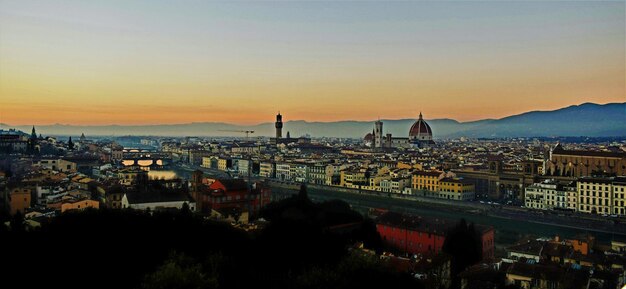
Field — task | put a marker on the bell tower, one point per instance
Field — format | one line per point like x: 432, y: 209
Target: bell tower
x: 279, y: 126
x: 378, y: 134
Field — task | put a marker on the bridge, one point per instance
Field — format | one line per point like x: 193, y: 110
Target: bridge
x: 147, y: 159
x: 137, y: 150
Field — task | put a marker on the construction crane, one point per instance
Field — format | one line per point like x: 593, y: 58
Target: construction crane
x: 247, y: 132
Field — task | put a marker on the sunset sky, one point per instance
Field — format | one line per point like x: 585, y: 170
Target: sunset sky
x: 156, y: 62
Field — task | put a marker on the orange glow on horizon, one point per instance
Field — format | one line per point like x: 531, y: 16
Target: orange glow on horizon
x: 92, y: 65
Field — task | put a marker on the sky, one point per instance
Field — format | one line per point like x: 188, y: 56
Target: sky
x: 159, y: 62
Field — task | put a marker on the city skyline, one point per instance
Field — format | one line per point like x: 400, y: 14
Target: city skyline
x: 86, y: 63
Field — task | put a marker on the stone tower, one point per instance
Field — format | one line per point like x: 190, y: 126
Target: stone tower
x: 378, y: 134
x: 279, y: 126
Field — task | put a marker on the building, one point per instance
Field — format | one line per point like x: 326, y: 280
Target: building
x: 196, y: 157
x: 353, y: 178
x: 333, y: 174
x: 426, y: 180
x: 572, y: 163
x: 421, y: 235
x: 72, y: 204
x: 392, y: 185
x: 283, y: 171
x: 19, y: 200
x: 299, y: 172
x: 206, y: 162
x: 456, y: 189
x: 267, y: 170
x: 435, y: 184
x: 317, y: 174
x: 602, y: 195
x: 498, y: 182
x: 551, y: 194
x: 13, y: 141
x: 157, y: 200
x: 57, y: 164
x: 420, y: 135
x: 245, y: 148
x: 117, y: 154
x: 228, y: 194
x: 224, y: 163
x: 244, y: 167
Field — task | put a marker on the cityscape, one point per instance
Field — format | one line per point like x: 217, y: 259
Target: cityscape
x: 298, y: 145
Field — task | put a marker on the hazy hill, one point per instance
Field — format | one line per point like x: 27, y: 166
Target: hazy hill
x: 578, y: 120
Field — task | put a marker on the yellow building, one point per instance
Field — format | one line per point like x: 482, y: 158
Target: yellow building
x: 352, y: 178
x: 224, y: 164
x: 206, y: 162
x: 426, y: 180
x: 456, y: 189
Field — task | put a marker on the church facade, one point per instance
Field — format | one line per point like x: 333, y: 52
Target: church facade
x: 420, y: 136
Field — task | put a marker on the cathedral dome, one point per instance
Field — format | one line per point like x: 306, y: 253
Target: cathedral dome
x: 420, y: 130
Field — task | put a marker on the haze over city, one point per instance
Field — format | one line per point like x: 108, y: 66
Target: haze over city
x: 160, y: 62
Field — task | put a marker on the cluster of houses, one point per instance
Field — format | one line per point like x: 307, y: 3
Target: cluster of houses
x: 579, y: 262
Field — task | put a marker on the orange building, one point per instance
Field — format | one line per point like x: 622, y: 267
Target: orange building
x: 79, y: 205
x: 19, y: 200
x: 581, y: 244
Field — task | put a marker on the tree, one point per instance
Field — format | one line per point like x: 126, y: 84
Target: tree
x: 179, y: 272
x: 463, y: 244
x: 70, y: 144
x: 185, y: 210
x: 17, y: 222
x: 302, y: 194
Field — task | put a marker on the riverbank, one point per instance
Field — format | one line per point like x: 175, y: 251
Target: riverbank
x: 511, y: 223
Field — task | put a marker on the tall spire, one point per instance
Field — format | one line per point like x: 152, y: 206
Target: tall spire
x: 70, y: 144
x: 33, y: 134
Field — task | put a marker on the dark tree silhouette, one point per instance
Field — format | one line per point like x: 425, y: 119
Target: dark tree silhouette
x: 70, y: 144
x: 463, y: 244
x: 180, y: 272
x: 17, y: 222
x: 132, y: 250
x: 302, y: 194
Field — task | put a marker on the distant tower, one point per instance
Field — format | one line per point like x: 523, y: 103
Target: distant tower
x: 33, y: 134
x: 70, y: 144
x: 279, y: 126
x: 82, y: 138
x: 288, y: 135
x: 378, y: 134
x: 32, y: 141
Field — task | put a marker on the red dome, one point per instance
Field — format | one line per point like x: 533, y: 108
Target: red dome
x: 368, y: 137
x: 420, y: 128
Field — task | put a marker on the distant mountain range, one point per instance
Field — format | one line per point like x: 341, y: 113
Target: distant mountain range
x: 587, y: 119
